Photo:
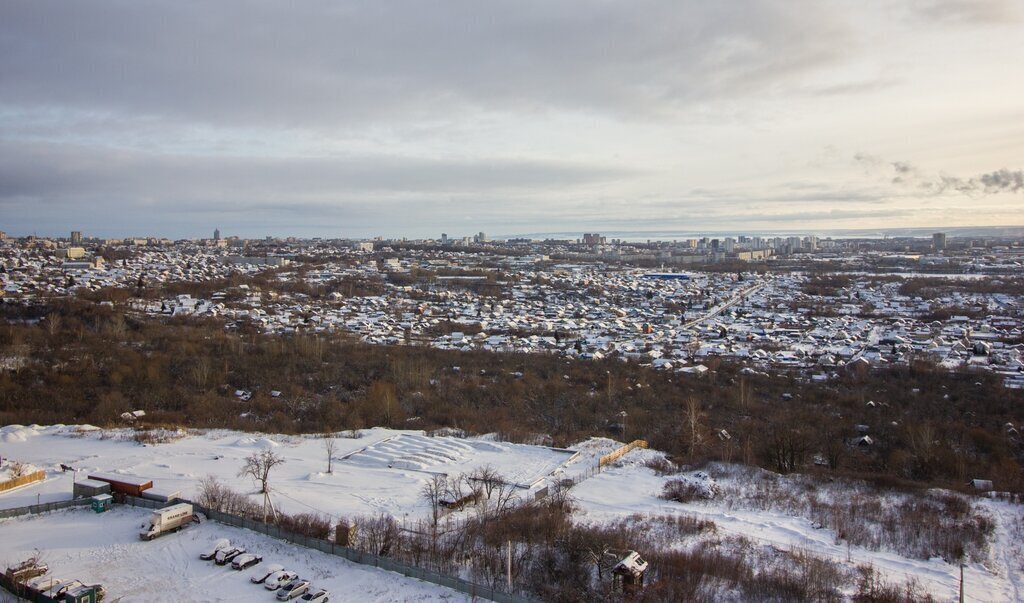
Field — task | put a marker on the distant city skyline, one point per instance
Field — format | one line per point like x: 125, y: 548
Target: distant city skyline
x: 402, y: 119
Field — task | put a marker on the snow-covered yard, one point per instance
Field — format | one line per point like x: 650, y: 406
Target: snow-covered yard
x: 384, y: 470
x: 629, y: 488
x: 78, y: 544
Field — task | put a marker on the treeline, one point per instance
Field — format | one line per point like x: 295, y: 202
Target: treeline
x: 71, y: 361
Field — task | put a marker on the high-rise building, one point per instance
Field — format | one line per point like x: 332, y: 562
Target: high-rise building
x: 444, y: 238
x: 939, y: 241
x: 76, y: 237
x: 216, y: 234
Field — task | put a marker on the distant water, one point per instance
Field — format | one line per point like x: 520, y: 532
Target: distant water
x: 634, y: 236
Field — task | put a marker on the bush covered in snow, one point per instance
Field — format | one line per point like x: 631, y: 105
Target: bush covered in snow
x: 688, y: 488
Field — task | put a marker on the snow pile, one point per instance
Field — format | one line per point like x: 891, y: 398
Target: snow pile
x: 11, y: 434
x: 597, y: 446
x: 415, y: 452
x: 7, y: 472
x: 262, y: 443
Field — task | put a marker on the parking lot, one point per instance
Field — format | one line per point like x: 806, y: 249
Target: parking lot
x: 105, y: 548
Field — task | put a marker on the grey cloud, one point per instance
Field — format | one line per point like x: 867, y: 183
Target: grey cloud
x: 1003, y: 180
x: 319, y: 64
x: 46, y: 187
x: 45, y: 170
x: 855, y: 87
x: 908, y: 174
x: 999, y: 181
x: 974, y: 12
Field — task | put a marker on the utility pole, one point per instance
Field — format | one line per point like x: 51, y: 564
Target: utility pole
x: 509, y: 566
x: 961, y: 582
x: 609, y: 373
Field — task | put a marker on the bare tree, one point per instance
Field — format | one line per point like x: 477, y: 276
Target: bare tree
x: 433, y: 492
x: 53, y: 323
x: 379, y: 534
x: 329, y: 445
x: 258, y: 465
x: 199, y: 371
x: 498, y: 493
x: 693, y: 424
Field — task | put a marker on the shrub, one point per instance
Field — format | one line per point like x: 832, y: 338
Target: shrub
x: 684, y: 491
x: 661, y: 466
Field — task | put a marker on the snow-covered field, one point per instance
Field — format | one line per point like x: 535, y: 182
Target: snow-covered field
x: 631, y: 488
x: 78, y: 544
x: 384, y: 470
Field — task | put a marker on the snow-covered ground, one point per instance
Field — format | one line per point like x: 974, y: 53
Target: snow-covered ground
x: 628, y: 487
x: 78, y: 544
x: 384, y: 470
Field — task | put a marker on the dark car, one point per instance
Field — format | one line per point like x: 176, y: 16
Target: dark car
x: 247, y: 560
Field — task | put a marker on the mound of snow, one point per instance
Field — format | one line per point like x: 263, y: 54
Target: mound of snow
x: 13, y: 434
x: 256, y: 443
x: 13, y: 437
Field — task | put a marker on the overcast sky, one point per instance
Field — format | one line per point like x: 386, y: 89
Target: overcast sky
x: 415, y: 118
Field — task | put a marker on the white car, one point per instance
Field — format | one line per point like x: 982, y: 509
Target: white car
x: 59, y: 588
x: 259, y: 576
x: 223, y: 543
x: 225, y: 556
x: 43, y: 583
x: 279, y: 579
x: 243, y: 561
x: 318, y: 596
x: 293, y: 589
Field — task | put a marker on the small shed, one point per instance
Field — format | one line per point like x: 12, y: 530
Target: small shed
x: 981, y: 485
x: 88, y: 488
x: 162, y: 494
x: 629, y: 572
x: 102, y: 502
x: 81, y: 594
x: 124, y: 484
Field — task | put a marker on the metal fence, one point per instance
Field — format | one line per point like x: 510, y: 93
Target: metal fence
x: 44, y: 508
x: 464, y: 586
x: 455, y: 583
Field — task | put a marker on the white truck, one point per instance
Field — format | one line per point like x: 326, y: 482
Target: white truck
x: 168, y: 519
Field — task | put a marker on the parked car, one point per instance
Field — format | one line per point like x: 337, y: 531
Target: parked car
x: 293, y: 589
x: 223, y: 543
x: 318, y: 596
x: 56, y: 591
x: 243, y: 561
x: 226, y: 555
x: 279, y: 579
x: 260, y: 576
x: 43, y: 583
